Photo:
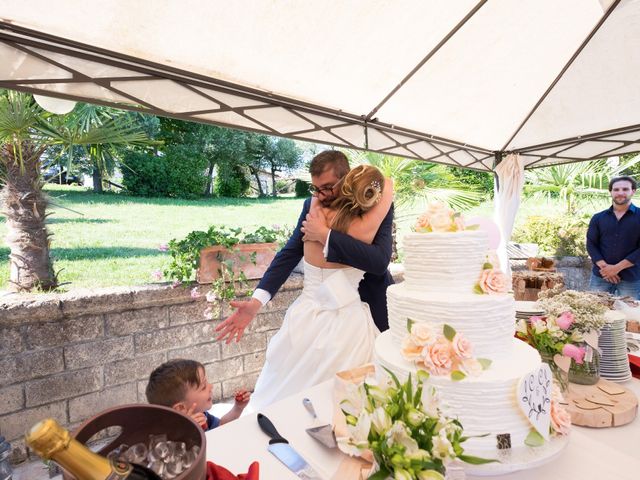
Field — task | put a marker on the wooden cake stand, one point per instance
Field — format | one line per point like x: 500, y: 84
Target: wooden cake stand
x: 605, y: 404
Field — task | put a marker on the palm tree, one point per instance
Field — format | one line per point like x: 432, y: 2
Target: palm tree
x: 587, y: 180
x: 417, y: 183
x: 26, y: 132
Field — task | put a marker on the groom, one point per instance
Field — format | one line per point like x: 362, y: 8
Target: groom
x: 327, y: 168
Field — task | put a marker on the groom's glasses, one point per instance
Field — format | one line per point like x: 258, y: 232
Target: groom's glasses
x: 316, y: 190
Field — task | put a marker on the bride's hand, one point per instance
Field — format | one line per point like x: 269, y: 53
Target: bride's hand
x: 315, y: 226
x: 236, y: 323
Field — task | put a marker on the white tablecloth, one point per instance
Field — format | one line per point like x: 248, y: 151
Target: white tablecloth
x: 603, y: 453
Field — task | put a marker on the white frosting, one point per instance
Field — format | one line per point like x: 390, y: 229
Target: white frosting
x: 488, y: 321
x: 448, y: 262
x: 483, y: 404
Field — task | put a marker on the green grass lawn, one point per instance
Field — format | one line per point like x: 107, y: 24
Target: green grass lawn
x: 107, y: 240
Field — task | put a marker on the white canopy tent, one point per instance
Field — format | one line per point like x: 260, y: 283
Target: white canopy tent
x: 456, y: 82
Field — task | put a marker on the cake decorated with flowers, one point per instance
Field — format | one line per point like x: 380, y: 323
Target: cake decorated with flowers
x: 454, y: 318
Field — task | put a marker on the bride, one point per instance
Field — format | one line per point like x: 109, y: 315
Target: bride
x: 328, y: 328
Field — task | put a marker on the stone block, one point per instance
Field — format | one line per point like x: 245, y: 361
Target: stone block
x: 281, y: 301
x: 64, y: 385
x: 269, y: 335
x: 145, y: 296
x: 266, y: 321
x: 11, y: 399
x: 203, y: 353
x: 86, y: 406
x: 134, y: 321
x: 98, y: 353
x: 253, y: 362
x: 224, y: 369
x: 141, y: 386
x: 20, y: 309
x: 169, y: 337
x: 86, y: 301
x: 12, y: 340
x: 250, y: 343
x: 27, y: 366
x: 137, y: 368
x: 15, y: 424
x: 245, y: 382
x: 52, y: 334
x: 192, y: 312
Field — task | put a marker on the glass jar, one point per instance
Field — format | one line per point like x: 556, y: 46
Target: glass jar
x: 560, y: 377
x: 587, y: 372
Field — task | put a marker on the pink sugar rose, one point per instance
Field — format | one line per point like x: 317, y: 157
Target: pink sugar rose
x: 422, y: 334
x: 441, y: 222
x: 560, y: 418
x: 437, y: 357
x: 565, y: 320
x: 422, y: 225
x: 493, y: 281
x: 411, y: 350
x: 577, y: 353
x: 462, y: 346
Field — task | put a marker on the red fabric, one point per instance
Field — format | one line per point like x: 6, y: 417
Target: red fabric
x: 216, y: 472
x: 634, y: 363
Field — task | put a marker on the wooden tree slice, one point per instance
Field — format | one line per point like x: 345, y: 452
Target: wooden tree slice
x: 605, y: 404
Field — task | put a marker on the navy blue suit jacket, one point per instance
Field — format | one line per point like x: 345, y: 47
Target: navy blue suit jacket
x: 373, y: 259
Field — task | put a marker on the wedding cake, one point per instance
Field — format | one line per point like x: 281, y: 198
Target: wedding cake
x: 452, y: 316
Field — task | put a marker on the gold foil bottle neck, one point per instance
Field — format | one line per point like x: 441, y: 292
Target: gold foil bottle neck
x: 47, y: 438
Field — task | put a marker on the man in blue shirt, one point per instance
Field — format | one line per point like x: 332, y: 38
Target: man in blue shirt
x: 613, y: 242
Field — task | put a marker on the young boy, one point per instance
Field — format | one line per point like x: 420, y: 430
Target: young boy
x: 183, y: 385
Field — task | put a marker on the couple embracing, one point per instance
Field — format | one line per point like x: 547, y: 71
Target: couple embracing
x: 344, y: 235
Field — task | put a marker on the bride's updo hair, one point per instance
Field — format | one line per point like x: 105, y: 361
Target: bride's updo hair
x: 360, y: 190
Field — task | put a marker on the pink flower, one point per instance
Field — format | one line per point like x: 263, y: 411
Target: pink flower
x: 194, y: 293
x: 493, y: 281
x: 208, y: 313
x: 176, y: 283
x: 535, y: 319
x: 560, y: 418
x: 410, y: 350
x: 565, y: 320
x: 157, y: 275
x: 422, y: 225
x: 438, y: 357
x: 577, y: 353
x: 462, y: 346
x: 422, y: 334
x: 163, y: 247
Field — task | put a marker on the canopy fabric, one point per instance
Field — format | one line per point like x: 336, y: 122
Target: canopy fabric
x: 457, y: 82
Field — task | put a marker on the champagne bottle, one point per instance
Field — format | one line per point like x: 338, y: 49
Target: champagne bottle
x: 49, y: 440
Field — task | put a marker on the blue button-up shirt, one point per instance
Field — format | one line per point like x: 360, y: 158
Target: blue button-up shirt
x: 613, y: 240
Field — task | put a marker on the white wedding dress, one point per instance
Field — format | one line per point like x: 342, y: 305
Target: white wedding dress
x: 325, y: 330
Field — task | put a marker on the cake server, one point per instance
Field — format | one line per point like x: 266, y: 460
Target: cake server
x: 322, y: 433
x: 280, y: 448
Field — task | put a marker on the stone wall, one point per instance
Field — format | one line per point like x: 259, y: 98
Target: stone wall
x: 72, y: 355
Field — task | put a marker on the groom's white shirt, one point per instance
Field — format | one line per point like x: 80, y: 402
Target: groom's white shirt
x: 264, y: 297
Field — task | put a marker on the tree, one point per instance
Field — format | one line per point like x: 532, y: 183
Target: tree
x: 275, y: 155
x: 569, y: 182
x: 26, y: 132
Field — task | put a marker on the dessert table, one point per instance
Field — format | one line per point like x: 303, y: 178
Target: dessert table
x: 590, y: 454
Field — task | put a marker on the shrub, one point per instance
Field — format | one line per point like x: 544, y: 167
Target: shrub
x: 302, y: 188
x: 231, y: 181
x: 180, y: 173
x: 556, y: 236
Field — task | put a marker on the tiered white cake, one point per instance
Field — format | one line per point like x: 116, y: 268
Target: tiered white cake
x: 441, y: 271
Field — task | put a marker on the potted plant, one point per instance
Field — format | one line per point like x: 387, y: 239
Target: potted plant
x: 224, y: 257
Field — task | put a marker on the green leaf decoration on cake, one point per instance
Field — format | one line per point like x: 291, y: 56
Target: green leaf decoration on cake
x: 448, y: 332
x: 487, y: 266
x: 477, y: 289
x: 422, y: 375
x: 410, y: 323
x: 534, y: 439
x: 485, y: 362
x: 457, y: 375
x: 472, y: 227
x: 476, y: 460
